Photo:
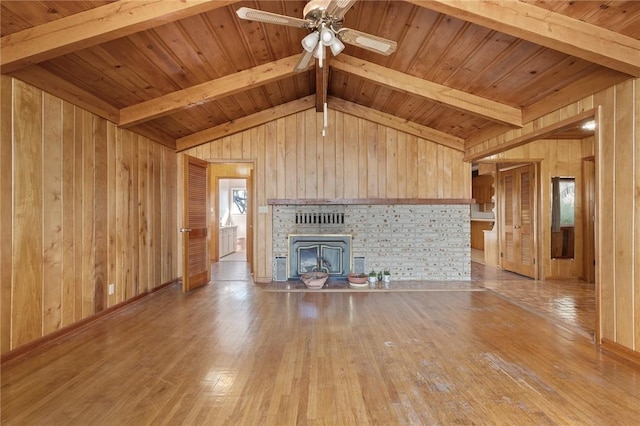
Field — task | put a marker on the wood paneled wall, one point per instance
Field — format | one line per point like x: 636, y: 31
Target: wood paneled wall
x: 617, y: 153
x: 84, y: 204
x: 356, y: 159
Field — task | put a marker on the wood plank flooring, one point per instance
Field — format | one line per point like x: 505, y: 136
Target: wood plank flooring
x: 231, y: 353
x: 569, y: 302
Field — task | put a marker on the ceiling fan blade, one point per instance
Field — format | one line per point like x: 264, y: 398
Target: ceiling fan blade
x: 367, y: 41
x: 338, y: 8
x: 271, y: 18
x: 303, y: 62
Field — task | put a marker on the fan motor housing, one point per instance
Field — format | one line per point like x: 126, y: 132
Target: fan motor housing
x: 316, y: 12
x: 315, y: 9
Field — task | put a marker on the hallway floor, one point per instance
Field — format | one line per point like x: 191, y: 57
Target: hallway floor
x: 571, y: 302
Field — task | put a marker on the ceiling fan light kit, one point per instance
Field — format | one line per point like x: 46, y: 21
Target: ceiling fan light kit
x: 323, y: 18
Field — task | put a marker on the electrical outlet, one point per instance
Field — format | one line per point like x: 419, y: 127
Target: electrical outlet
x: 112, y: 288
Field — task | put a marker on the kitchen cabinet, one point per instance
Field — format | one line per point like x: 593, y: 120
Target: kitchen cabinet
x: 482, y: 189
x: 228, y: 236
x: 477, y: 232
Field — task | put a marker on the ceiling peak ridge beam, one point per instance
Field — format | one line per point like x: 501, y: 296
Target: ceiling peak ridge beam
x: 546, y: 28
x: 245, y: 123
x: 93, y: 27
x: 209, y: 91
x: 397, y: 123
x: 435, y: 92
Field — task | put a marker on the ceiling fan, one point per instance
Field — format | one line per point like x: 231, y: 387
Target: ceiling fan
x: 324, y: 20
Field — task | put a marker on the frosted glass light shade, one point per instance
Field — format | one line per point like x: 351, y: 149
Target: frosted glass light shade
x: 327, y: 36
x: 310, y: 41
x: 336, y: 47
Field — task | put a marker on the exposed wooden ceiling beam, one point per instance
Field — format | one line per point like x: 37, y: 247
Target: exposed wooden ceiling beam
x: 394, y: 122
x: 209, y: 91
x: 245, y: 123
x: 58, y: 86
x: 448, y: 96
x: 547, y: 28
x: 92, y: 27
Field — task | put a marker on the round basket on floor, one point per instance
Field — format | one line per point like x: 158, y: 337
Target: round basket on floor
x: 314, y: 279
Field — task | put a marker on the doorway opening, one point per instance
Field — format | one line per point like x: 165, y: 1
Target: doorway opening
x: 232, y: 201
x: 232, y: 228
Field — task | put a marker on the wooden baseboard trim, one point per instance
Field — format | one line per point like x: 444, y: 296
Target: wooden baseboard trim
x: 616, y: 349
x: 27, y: 348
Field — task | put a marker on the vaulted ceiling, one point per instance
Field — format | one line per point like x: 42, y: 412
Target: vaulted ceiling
x: 186, y: 72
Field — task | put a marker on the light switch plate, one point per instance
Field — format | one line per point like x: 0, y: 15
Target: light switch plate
x: 263, y: 209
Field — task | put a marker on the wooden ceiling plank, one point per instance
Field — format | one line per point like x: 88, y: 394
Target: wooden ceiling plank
x: 546, y: 28
x: 209, y: 91
x: 394, y: 122
x: 591, y: 83
x: 58, y: 86
x: 406, y: 83
x: 93, y: 27
x: 245, y: 123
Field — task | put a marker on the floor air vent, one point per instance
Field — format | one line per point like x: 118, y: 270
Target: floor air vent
x: 320, y: 218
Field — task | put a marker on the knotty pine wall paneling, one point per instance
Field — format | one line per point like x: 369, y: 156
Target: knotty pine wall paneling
x: 617, y: 157
x: 355, y: 159
x: 27, y: 256
x: 52, y: 204
x: 83, y: 204
x: 6, y: 226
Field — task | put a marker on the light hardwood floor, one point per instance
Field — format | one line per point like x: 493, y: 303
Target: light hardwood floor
x: 233, y: 354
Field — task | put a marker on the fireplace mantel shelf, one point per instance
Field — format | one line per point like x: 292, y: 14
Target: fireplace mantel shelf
x: 368, y: 201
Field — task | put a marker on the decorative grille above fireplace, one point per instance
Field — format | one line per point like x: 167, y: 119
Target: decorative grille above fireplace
x: 319, y: 252
x: 330, y: 218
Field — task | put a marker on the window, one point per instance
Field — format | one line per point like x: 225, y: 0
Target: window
x: 239, y: 201
x: 563, y: 193
x: 563, y: 199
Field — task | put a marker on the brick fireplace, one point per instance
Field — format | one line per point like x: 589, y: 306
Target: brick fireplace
x: 414, y: 241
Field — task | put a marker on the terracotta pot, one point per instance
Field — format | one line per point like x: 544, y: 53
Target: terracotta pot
x: 355, y: 279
